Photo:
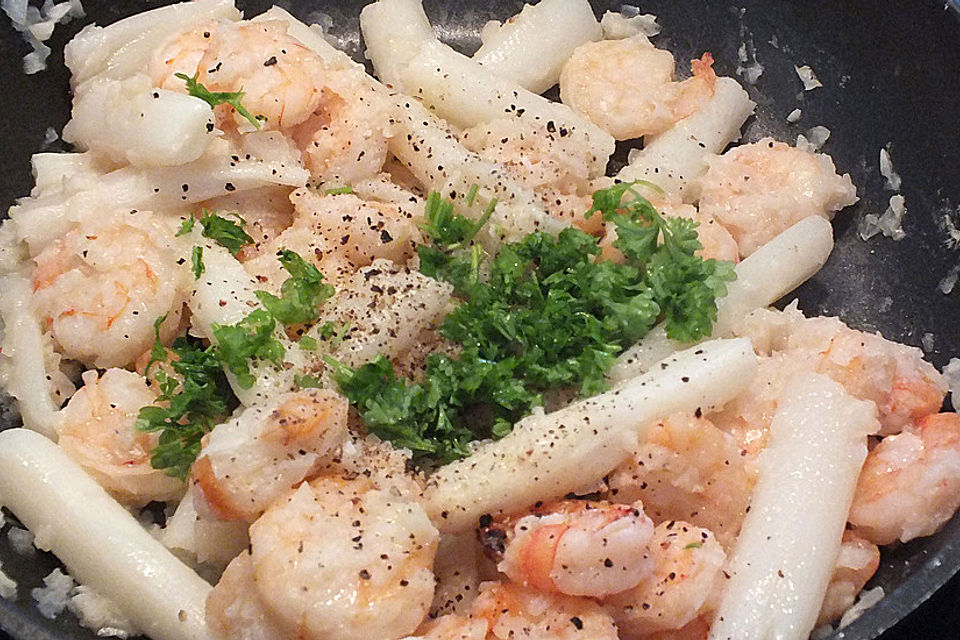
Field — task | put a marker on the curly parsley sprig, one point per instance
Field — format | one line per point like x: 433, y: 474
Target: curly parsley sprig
x: 685, y: 286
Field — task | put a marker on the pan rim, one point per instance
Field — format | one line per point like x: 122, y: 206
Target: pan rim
x: 896, y: 606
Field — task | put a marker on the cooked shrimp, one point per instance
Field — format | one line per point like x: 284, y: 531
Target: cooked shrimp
x: 904, y: 386
x: 281, y: 79
x: 337, y: 119
x: 895, y: 377
x: 857, y: 562
x: 688, y: 469
x: 747, y: 417
x: 514, y: 612
x: 249, y: 461
x: 686, y: 578
x: 556, y: 167
x: 716, y: 240
x: 362, y: 230
x: 97, y: 430
x: 101, y: 287
x: 339, y: 234
x: 345, y: 140
x: 627, y: 86
x: 576, y: 547
x: 758, y: 190
x: 342, y: 558
x: 910, y: 483
x: 235, y: 610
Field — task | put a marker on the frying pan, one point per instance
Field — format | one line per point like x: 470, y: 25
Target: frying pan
x: 891, y: 78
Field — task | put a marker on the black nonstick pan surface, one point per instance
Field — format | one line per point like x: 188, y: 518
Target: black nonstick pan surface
x: 891, y: 76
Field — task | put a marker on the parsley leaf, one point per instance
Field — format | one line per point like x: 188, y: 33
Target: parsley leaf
x: 685, y: 286
x: 227, y: 233
x: 193, y: 399
x: 301, y: 294
x: 216, y: 98
x: 186, y: 227
x: 197, y: 261
x: 305, y: 381
x: 158, y: 352
x: 252, y: 337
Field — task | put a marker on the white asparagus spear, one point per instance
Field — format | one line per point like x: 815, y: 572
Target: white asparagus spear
x: 23, y: 344
x: 532, y: 47
x: 311, y: 36
x: 465, y: 93
x: 676, y: 158
x: 98, y: 540
x: 434, y: 155
x: 547, y: 456
x: 41, y: 220
x: 125, y: 47
x: 394, y: 31
x: 770, y: 273
x: 790, y: 539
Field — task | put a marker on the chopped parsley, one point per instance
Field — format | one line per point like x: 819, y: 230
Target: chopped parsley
x: 330, y: 332
x: 685, y: 286
x: 252, y: 337
x: 541, y: 315
x: 216, y: 98
x: 197, y: 261
x: 306, y: 381
x: 448, y: 230
x: 227, y: 233
x: 338, y: 191
x: 186, y: 227
x: 301, y: 294
x: 472, y: 194
x: 193, y: 399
